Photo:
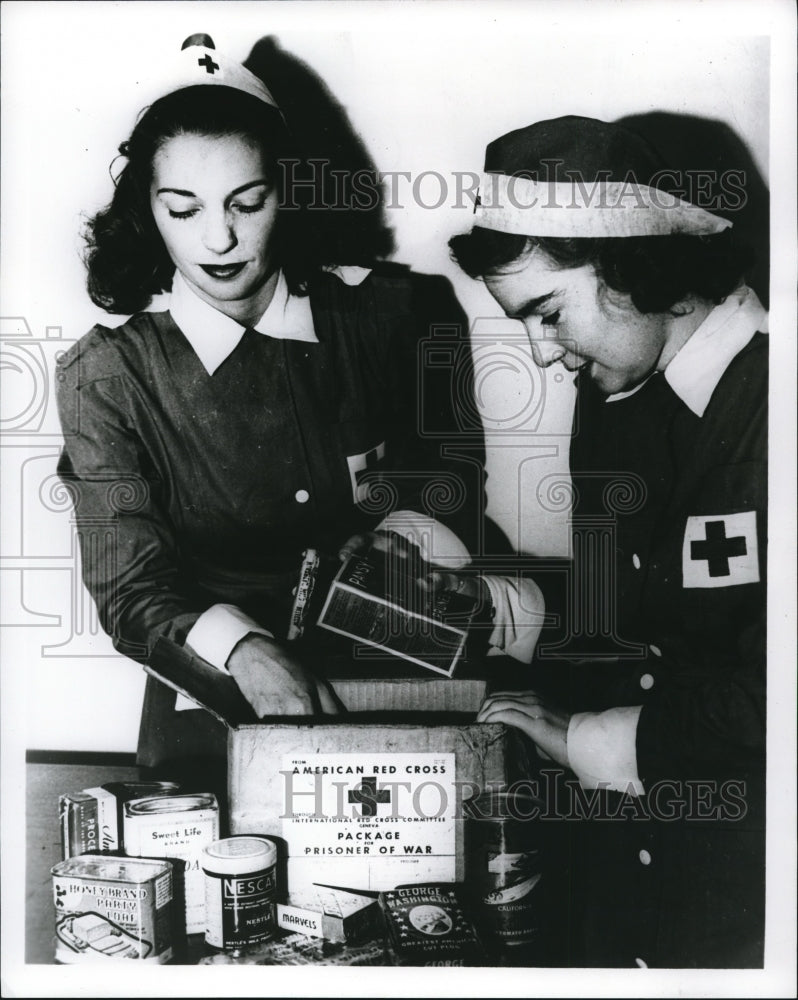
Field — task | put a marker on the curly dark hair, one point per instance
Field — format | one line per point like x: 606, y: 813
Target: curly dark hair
x: 655, y: 271
x: 125, y: 256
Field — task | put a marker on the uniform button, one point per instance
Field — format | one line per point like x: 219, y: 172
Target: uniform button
x: 646, y: 682
x: 636, y: 561
x: 640, y: 963
x: 645, y: 857
x: 655, y: 650
x: 302, y: 496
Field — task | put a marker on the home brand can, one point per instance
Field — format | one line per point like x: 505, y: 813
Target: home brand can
x: 240, y: 892
x: 175, y: 826
x: 108, y: 907
x: 504, y: 866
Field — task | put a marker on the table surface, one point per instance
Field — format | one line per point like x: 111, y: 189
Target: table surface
x: 45, y: 782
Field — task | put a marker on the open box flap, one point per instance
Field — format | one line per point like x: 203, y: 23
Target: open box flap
x: 219, y: 694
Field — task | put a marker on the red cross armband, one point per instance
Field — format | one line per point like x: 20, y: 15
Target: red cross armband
x: 720, y: 550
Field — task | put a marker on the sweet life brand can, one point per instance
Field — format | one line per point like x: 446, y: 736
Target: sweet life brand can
x: 175, y: 826
x: 108, y: 908
x: 504, y: 866
x: 240, y: 892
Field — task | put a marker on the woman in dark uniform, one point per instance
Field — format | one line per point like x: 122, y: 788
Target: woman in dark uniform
x: 653, y: 701
x: 208, y: 446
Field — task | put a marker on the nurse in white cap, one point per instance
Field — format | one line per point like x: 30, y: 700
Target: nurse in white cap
x: 209, y: 445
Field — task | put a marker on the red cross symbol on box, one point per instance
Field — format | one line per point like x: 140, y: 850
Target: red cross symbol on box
x: 367, y: 796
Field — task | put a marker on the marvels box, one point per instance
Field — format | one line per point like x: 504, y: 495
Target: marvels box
x: 370, y: 804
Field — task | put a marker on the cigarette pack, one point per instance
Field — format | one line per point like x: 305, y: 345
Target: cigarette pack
x: 429, y: 925
x: 336, y: 915
x: 313, y: 566
x: 79, y: 826
x: 376, y: 600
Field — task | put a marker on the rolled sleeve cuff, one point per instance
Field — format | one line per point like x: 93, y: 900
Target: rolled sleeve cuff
x: 519, y: 609
x: 601, y: 749
x: 217, y: 632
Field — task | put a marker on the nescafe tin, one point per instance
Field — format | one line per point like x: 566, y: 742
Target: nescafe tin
x: 504, y: 865
x: 108, y: 907
x: 240, y: 892
x: 175, y: 826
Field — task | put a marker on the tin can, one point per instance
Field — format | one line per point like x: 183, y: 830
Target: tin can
x: 240, y: 892
x: 121, y: 792
x: 109, y: 907
x: 175, y: 826
x: 504, y: 866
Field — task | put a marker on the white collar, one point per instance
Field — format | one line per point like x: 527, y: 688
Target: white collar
x: 215, y: 336
x: 696, y: 369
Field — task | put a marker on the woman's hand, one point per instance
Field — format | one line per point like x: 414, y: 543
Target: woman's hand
x: 461, y: 583
x: 428, y: 579
x: 388, y: 542
x: 545, y: 725
x: 274, y: 682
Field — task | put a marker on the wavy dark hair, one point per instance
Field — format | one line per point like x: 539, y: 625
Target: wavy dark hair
x: 655, y: 271
x: 125, y: 256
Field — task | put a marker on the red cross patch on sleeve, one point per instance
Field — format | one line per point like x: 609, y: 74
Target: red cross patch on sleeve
x: 359, y: 468
x: 720, y: 550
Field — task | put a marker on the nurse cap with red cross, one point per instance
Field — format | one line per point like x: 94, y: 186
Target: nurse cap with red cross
x: 199, y: 64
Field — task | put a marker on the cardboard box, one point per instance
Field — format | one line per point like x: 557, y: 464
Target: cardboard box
x: 373, y: 800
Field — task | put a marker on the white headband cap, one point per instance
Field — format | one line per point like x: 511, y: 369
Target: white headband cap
x: 199, y: 64
x: 573, y: 177
x: 526, y: 207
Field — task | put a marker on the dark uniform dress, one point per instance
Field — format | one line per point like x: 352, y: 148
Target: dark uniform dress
x: 669, y: 523
x: 192, y: 489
